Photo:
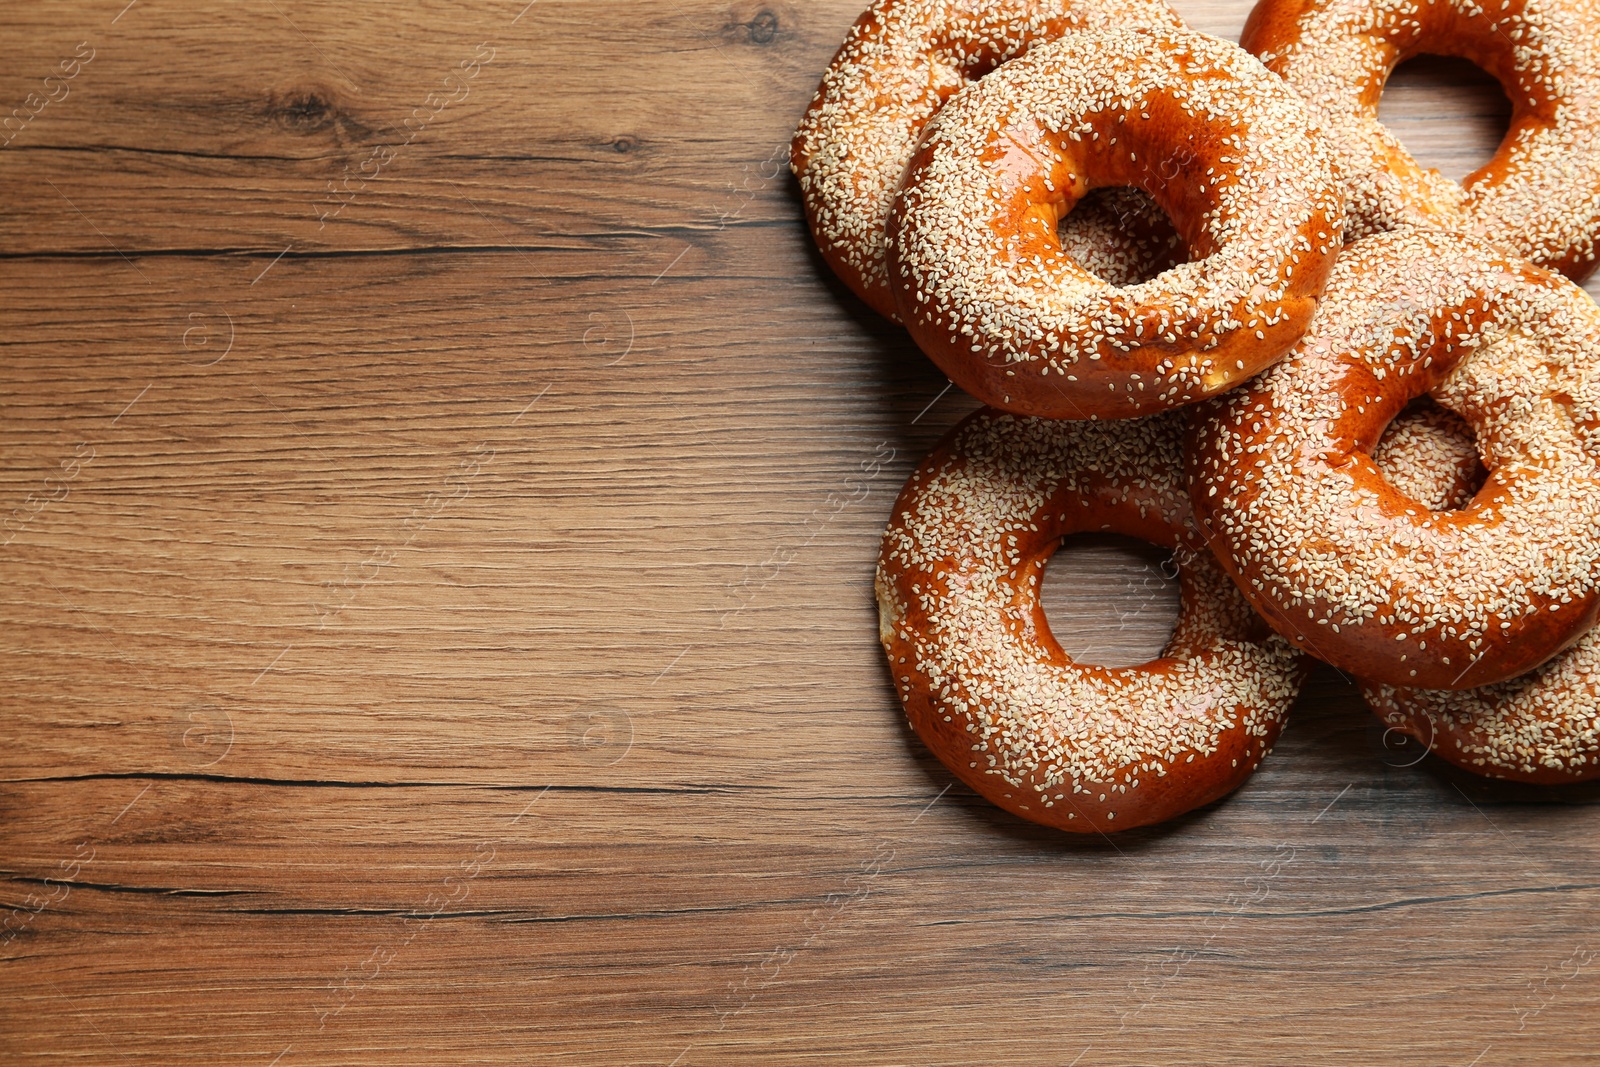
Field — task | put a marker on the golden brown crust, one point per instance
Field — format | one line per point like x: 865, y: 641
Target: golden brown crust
x: 1364, y: 577
x: 978, y: 271
x: 1539, y: 197
x: 987, y: 687
x: 1542, y: 728
x: 901, y: 60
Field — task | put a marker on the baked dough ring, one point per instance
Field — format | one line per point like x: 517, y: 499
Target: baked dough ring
x: 1542, y: 728
x: 900, y: 62
x: 1539, y: 197
x: 978, y: 272
x: 1339, y: 561
x: 986, y: 686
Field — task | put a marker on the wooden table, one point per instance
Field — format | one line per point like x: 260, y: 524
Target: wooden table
x: 444, y: 488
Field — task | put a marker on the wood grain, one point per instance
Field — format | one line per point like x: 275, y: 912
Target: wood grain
x: 436, y: 617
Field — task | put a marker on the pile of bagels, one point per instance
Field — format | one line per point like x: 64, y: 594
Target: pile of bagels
x: 1212, y: 303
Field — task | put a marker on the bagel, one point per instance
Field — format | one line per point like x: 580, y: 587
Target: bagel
x: 1337, y: 559
x: 1539, y: 197
x: 978, y: 271
x: 985, y: 684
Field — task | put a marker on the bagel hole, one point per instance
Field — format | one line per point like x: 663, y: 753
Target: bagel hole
x: 1430, y: 454
x: 1120, y: 235
x: 1111, y: 601
x: 1449, y: 113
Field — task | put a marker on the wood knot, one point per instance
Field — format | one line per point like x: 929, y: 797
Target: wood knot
x: 625, y: 144
x: 306, y: 111
x: 753, y: 24
x: 763, y: 28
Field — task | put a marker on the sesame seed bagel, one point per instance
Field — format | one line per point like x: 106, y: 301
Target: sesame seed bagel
x: 979, y: 274
x: 1542, y: 728
x: 985, y: 684
x: 1539, y: 197
x: 900, y: 62
x: 1332, y: 554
